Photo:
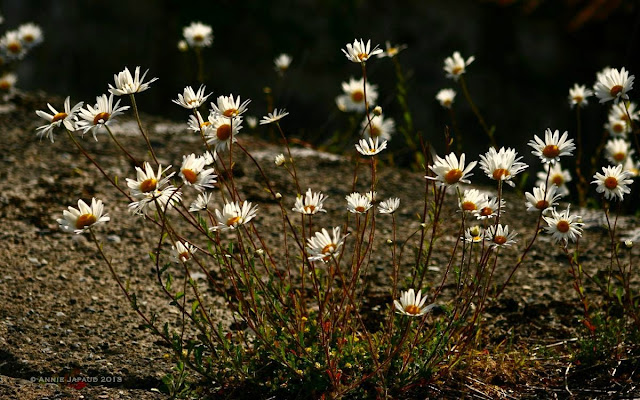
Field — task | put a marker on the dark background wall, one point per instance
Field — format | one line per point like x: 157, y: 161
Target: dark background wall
x: 526, y: 57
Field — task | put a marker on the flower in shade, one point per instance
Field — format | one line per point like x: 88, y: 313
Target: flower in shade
x: 55, y: 119
x: 455, y: 65
x: 127, y: 84
x: 194, y: 174
x: 323, y: 246
x: 30, y: 34
x: 617, y: 127
x: 389, y: 206
x: 12, y: 45
x: 633, y: 168
x: 474, y: 234
x: 500, y: 236
x: 279, y: 160
x: 617, y: 150
x: 183, y: 46
x: 353, y: 97
x: 360, y: 52
x: 234, y: 215
x: 198, y: 34
x: 557, y: 176
x: 412, y: 304
x: 391, y: 50
x: 147, y: 180
x: 222, y: 131
x: 371, y: 196
x: 490, y: 208
x: 358, y: 203
x: 201, y: 202
x: 275, y: 116
x: 578, y: 95
x: 502, y: 165
x: 77, y: 220
x: 449, y: 171
x: 553, y: 147
x: 445, y: 97
x: 613, y: 85
x: 228, y: 107
x: 472, y: 201
x: 101, y: 114
x: 613, y: 182
x: 563, y: 226
x: 183, y: 251
x: 190, y: 99
x: 282, y: 63
x: 7, y: 80
x: 380, y: 127
x: 622, y: 111
x: 541, y: 198
x: 369, y: 147
x: 311, y: 203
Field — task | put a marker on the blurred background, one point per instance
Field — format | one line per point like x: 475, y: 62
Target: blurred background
x: 528, y: 54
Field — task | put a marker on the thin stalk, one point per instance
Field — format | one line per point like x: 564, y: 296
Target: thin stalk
x: 144, y: 134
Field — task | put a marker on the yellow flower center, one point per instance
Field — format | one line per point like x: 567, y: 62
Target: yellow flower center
x: 357, y: 96
x: 563, y: 226
x: 103, y: 116
x: 611, y: 183
x: 205, y: 124
x: 578, y: 99
x: 447, y: 103
x: 189, y: 175
x: 363, y: 56
x: 5, y: 85
x: 360, y: 209
x: 223, y: 132
x: 328, y: 249
x: 469, y: 206
x: 542, y: 204
x: 619, y: 127
x: 499, y: 173
x: 234, y: 221
x: 456, y: 70
x: 499, y: 239
x: 453, y: 176
x: 14, y: 47
x: 374, y: 131
x: 620, y: 156
x: 230, y: 112
x: 310, y: 208
x: 557, y: 180
x: 148, y: 185
x: 486, y: 211
x: 59, y: 116
x: 198, y: 38
x: 551, y: 151
x: 412, y: 309
x: 28, y: 38
x: 616, y: 90
x: 85, y: 220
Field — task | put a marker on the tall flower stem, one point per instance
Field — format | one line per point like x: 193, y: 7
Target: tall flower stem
x: 144, y: 134
x: 485, y: 127
x: 582, y: 182
x: 132, y: 158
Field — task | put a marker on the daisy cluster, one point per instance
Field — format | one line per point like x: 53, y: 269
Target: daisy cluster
x: 14, y: 46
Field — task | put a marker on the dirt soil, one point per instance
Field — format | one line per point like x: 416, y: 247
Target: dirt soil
x: 62, y: 314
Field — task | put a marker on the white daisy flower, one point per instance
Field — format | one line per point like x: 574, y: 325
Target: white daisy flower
x: 282, y: 63
x: 182, y: 252
x: 358, y: 203
x: 380, y: 127
x: 7, y: 81
x: 557, y: 176
x: 190, y: 99
x: 391, y: 50
x: 541, y: 199
x: 84, y: 217
x: 101, y: 114
x: 198, y: 34
x: 412, y: 304
x: 222, y: 131
x: 613, y: 183
x: 455, y: 66
x: 353, y: 97
x: 197, y: 124
x: 445, y: 97
x: 617, y: 151
x: 617, y: 127
x: 502, y: 165
x: 233, y: 215
x: 201, y: 202
x: 449, y: 172
x: 472, y: 201
x: 490, y: 208
x: 275, y: 116
x: 389, y: 206
x: 55, y: 119
x: 614, y: 85
x: 148, y: 202
x: 127, y: 84
x: 12, y: 45
x: 30, y: 34
x: 553, y: 147
x: 369, y: 147
x: 371, y: 196
x: 474, y: 234
x: 563, y: 227
x: 500, y: 236
x: 311, y: 203
x: 619, y: 111
x: 631, y: 167
x: 359, y: 52
x: 147, y: 180
x: 252, y: 122
x: 578, y: 95
x: 279, y: 160
x: 323, y: 246
x: 228, y: 107
x: 193, y: 173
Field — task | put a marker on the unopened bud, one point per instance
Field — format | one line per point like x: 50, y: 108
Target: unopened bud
x: 279, y: 161
x: 389, y: 242
x: 278, y: 196
x: 628, y: 243
x: 183, y: 46
x: 377, y: 111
